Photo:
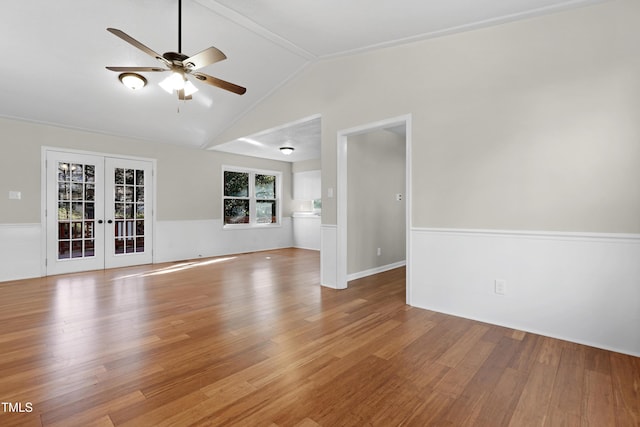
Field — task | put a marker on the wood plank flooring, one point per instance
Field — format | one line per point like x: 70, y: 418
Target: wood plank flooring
x: 253, y: 340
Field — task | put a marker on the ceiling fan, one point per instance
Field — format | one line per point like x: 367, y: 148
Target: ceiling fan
x: 180, y: 65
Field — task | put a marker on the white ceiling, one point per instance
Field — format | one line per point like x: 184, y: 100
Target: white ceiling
x: 54, y: 54
x: 303, y: 136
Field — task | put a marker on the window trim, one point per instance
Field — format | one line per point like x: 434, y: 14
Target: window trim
x: 252, y: 197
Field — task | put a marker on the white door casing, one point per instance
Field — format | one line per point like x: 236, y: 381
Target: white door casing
x: 341, y: 226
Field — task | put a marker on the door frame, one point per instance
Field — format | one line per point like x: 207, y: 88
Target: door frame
x: 43, y: 195
x: 341, y: 233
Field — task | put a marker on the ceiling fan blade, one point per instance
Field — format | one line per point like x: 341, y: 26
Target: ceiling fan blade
x: 204, y: 58
x: 135, y: 69
x: 124, y: 36
x: 213, y: 81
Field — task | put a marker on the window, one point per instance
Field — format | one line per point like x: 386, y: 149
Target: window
x: 317, y: 205
x: 250, y: 197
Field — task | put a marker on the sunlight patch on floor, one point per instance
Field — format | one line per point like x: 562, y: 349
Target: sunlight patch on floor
x: 176, y: 268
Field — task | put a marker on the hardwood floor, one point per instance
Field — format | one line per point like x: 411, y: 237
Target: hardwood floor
x: 253, y: 340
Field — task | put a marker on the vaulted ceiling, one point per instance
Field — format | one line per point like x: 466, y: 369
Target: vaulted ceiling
x: 55, y: 53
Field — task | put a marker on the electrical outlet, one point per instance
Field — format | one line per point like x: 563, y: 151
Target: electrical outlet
x: 500, y: 287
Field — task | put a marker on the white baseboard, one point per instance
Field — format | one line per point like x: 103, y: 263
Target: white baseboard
x: 376, y: 270
x: 20, y: 256
x: 580, y: 287
x: 305, y: 248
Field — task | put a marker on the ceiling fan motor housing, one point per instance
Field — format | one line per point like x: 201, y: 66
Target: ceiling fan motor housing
x: 177, y: 59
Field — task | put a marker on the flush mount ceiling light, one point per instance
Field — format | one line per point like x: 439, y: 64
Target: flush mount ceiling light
x: 133, y: 81
x: 286, y: 150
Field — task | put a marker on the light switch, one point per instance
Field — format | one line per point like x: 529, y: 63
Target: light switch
x: 15, y: 195
x: 500, y: 287
x: 329, y: 192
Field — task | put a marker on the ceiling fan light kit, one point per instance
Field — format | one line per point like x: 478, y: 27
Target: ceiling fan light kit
x: 179, y: 64
x: 177, y: 82
x: 133, y: 81
x: 286, y: 150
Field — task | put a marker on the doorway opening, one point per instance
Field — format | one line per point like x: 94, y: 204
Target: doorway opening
x: 348, y: 267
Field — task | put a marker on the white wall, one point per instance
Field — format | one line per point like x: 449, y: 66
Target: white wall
x: 578, y: 287
x: 530, y: 125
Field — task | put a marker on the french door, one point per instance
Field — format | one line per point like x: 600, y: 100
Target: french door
x: 98, y: 212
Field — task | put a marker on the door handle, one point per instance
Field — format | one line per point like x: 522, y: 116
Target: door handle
x: 109, y: 222
x: 100, y: 221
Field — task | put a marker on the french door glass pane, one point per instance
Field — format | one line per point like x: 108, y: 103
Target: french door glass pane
x: 76, y: 210
x: 129, y: 205
x: 63, y: 172
x: 89, y: 231
x: 64, y: 232
x: 89, y: 211
x: 64, y: 210
x: 77, y: 172
x: 89, y: 248
x: 90, y: 173
x: 63, y: 249
x: 89, y: 192
x: 76, y: 249
x: 76, y: 191
x: 63, y: 191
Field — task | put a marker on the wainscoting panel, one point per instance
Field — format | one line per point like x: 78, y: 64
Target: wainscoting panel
x: 180, y: 240
x: 579, y: 287
x: 328, y: 257
x: 20, y: 256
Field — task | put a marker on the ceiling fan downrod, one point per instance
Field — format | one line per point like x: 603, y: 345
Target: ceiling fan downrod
x: 179, y: 26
